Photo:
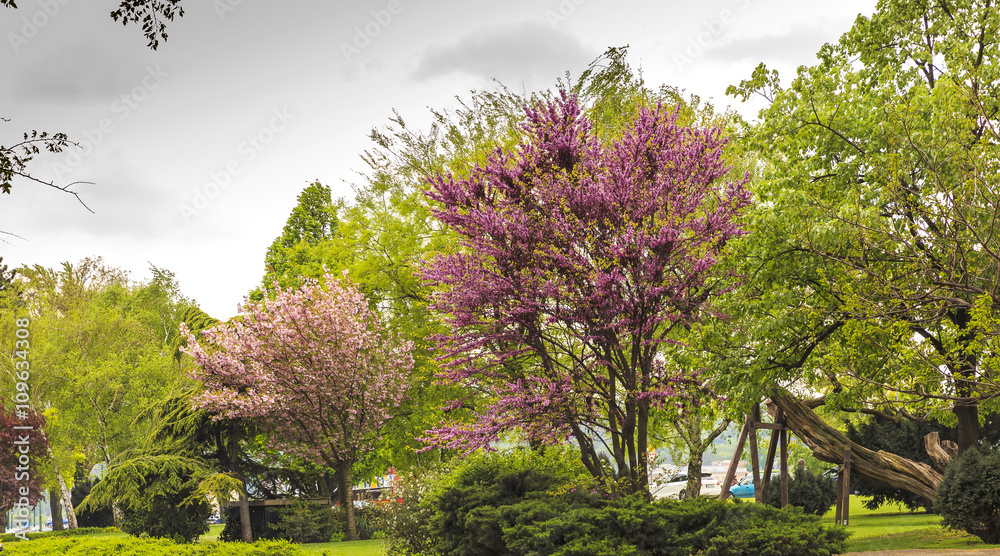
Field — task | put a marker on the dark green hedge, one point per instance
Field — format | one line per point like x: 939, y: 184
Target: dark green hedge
x: 9, y: 537
x: 516, y: 509
x: 82, y: 546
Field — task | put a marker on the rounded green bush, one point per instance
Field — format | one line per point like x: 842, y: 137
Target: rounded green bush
x: 813, y: 493
x: 969, y: 495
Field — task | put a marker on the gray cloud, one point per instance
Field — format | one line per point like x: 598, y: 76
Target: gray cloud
x: 84, y: 72
x: 792, y: 47
x: 527, y: 52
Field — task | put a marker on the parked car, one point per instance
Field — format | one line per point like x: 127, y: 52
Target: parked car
x: 745, y: 489
x: 675, y: 488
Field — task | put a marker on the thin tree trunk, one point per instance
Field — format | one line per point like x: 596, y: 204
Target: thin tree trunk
x: 346, y: 490
x: 693, y: 439
x: 56, y: 509
x: 67, y: 499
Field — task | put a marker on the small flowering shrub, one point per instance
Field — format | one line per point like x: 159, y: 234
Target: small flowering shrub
x: 405, y: 519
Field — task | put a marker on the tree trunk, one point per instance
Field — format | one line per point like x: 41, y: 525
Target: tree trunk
x: 695, y: 458
x: 693, y: 440
x: 67, y: 499
x: 246, y: 531
x: 941, y: 453
x: 345, y: 488
x: 968, y: 426
x: 3, y: 521
x: 56, y: 510
x: 827, y: 444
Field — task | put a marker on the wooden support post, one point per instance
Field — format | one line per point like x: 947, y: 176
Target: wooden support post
x: 731, y: 472
x: 769, y: 462
x: 838, y: 517
x: 784, y: 466
x: 754, y: 464
x: 845, y: 486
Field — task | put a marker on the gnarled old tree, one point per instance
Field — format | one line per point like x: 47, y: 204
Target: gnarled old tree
x: 872, y: 269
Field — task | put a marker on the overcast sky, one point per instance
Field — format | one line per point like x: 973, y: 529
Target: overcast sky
x: 198, y: 150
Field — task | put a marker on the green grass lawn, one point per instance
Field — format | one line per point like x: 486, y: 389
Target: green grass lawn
x: 895, y: 528
x: 355, y: 548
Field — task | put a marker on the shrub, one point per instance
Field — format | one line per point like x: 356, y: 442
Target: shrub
x: 103, y: 517
x: 406, y: 520
x: 504, y: 505
x: 303, y: 522
x: 83, y: 546
x: 813, y: 493
x: 10, y: 537
x: 969, y: 495
x: 166, y: 516
x: 631, y: 525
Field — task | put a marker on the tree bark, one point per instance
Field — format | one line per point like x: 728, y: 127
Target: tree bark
x: 695, y: 457
x: 941, y: 453
x: 345, y: 488
x: 827, y: 444
x: 246, y: 530
x: 56, y: 509
x: 67, y: 499
x: 968, y: 426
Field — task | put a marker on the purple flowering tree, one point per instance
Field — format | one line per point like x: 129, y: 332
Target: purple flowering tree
x: 315, y: 367
x: 579, y: 257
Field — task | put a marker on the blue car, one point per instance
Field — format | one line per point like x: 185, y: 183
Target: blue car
x: 744, y: 488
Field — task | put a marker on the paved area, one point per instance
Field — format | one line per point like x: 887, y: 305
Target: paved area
x: 988, y: 552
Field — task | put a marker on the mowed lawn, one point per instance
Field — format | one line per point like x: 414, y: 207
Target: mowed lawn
x: 355, y: 548
x: 892, y: 527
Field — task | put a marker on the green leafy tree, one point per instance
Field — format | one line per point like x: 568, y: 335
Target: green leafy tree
x: 101, y: 355
x: 870, y: 272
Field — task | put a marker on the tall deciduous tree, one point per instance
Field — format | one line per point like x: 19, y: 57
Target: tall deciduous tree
x: 101, y: 355
x: 579, y: 258
x: 313, y: 365
x: 874, y: 267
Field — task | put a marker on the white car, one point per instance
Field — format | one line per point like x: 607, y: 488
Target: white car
x: 675, y: 487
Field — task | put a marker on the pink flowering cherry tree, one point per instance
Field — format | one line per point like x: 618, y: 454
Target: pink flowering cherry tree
x: 578, y: 258
x: 314, y: 366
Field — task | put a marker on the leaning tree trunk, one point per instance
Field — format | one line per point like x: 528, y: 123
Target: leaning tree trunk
x: 827, y: 444
x: 67, y: 499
